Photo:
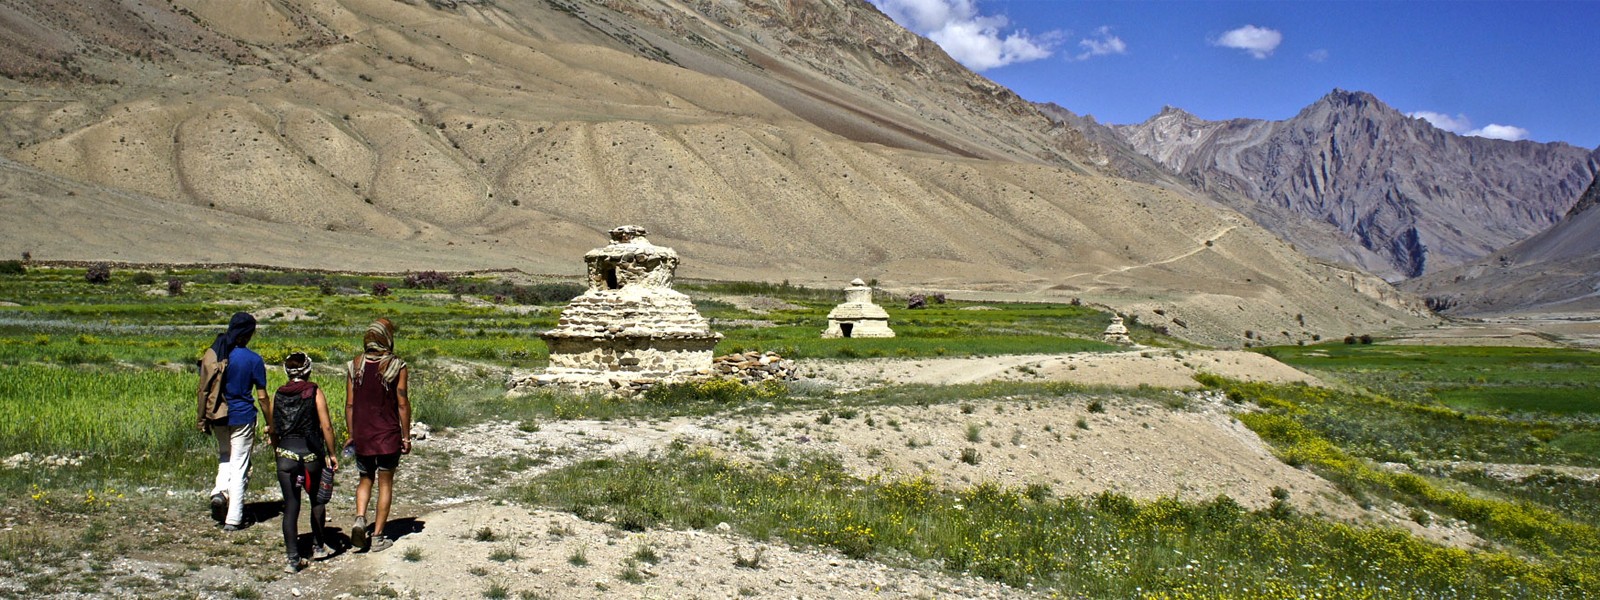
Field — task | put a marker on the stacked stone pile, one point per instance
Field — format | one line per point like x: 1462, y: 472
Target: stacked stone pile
x: 755, y: 367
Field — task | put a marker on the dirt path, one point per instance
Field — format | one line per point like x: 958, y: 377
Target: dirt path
x: 1099, y: 278
x: 1153, y: 367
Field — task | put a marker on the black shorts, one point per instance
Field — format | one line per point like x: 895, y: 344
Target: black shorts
x: 367, y: 465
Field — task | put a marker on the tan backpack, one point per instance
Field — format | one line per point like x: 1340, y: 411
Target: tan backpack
x: 210, y: 403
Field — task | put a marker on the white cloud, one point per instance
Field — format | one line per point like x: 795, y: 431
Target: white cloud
x: 1318, y: 55
x: 980, y: 42
x: 1496, y: 131
x: 1461, y: 125
x: 1258, y: 41
x: 1101, y: 44
x: 1456, y: 124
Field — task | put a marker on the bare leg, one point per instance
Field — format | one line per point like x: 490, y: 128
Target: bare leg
x: 363, y: 495
x: 385, y: 495
x: 358, y: 530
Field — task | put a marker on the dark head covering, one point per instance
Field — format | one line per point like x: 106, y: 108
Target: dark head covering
x: 241, y: 326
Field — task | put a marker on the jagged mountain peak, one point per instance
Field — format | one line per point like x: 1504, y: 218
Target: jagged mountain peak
x: 1343, y: 106
x: 1356, y: 98
x: 1416, y: 196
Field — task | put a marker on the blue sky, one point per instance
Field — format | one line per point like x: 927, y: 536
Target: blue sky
x: 1509, y: 70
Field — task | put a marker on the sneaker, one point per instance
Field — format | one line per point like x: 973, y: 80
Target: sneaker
x: 358, y: 533
x: 295, y: 565
x: 380, y: 543
x: 232, y: 526
x: 321, y: 552
x: 219, y: 507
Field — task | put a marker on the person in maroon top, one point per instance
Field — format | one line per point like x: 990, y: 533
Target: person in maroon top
x: 378, y: 421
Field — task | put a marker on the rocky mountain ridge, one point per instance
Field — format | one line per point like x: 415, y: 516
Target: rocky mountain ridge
x: 1418, y: 197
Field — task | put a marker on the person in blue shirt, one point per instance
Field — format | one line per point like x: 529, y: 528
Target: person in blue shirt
x: 235, y: 435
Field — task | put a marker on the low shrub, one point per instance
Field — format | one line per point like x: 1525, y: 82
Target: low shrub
x: 98, y: 273
x: 428, y: 280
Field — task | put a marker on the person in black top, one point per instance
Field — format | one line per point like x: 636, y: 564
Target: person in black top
x: 302, y: 435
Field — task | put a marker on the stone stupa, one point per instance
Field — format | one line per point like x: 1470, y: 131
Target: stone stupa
x: 1116, y: 332
x: 858, y: 317
x: 630, y: 327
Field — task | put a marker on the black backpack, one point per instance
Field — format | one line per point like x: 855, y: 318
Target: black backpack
x: 296, y: 415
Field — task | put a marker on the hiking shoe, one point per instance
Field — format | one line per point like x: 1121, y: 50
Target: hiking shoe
x: 321, y: 552
x: 295, y: 565
x: 380, y: 543
x: 219, y: 507
x: 358, y: 533
x: 232, y: 526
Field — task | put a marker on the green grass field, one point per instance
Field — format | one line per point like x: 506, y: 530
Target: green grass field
x: 1480, y: 379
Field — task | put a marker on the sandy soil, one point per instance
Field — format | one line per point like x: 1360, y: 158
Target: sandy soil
x: 1150, y: 367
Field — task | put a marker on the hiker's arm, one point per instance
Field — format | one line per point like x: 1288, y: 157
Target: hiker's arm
x: 266, y: 409
x: 259, y: 381
x: 200, y: 400
x: 327, y: 429
x: 350, y: 408
x: 405, y: 410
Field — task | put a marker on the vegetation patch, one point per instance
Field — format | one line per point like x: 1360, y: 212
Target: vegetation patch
x: 1343, y: 436
x: 1104, y: 546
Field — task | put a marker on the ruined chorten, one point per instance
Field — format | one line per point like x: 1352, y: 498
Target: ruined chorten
x: 630, y: 326
x: 858, y: 317
x: 1116, y: 332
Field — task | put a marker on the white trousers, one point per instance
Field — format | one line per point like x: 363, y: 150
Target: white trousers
x: 234, y: 445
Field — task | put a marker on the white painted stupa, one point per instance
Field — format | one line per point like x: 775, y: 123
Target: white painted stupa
x: 858, y: 317
x: 1116, y: 332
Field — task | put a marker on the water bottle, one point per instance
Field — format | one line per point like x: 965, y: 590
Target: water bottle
x: 325, y: 487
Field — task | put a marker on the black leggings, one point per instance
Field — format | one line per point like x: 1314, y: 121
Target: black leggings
x: 288, y: 468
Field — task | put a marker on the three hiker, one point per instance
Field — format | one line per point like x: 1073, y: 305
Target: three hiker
x: 299, y: 424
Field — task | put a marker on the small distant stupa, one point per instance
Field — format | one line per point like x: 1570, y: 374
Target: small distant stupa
x: 630, y: 326
x: 1116, y: 332
x: 858, y: 317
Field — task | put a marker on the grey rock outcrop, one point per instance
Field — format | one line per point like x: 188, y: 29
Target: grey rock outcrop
x: 1418, y: 197
x: 1555, y: 272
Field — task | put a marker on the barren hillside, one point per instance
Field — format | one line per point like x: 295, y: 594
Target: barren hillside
x: 813, y: 141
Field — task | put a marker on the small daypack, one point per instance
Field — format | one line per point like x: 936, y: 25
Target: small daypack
x: 212, y: 405
x: 296, y: 415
